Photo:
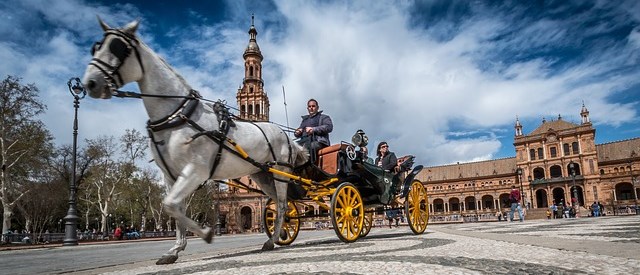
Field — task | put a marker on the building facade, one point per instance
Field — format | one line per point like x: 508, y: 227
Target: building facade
x: 557, y: 163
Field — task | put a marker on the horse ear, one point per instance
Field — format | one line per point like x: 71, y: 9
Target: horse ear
x: 131, y: 27
x: 104, y: 25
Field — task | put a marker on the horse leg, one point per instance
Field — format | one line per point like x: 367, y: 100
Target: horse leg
x: 281, y: 206
x: 187, y: 183
x: 171, y: 256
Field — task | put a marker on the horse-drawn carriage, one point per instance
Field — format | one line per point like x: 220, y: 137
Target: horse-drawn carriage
x: 351, y: 191
x: 193, y: 141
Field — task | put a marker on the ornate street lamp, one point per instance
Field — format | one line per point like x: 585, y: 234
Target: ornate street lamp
x: 71, y: 220
x: 573, y: 178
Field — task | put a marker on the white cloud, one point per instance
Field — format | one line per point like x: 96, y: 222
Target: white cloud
x: 365, y: 62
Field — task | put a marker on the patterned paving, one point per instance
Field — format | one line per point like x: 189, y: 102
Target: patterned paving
x: 452, y: 249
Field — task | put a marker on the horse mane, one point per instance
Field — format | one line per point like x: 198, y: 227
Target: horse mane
x: 166, y: 64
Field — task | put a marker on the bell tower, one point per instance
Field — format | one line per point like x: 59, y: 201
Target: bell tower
x: 253, y: 102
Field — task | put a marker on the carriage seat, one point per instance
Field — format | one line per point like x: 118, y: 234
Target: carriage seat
x: 327, y: 158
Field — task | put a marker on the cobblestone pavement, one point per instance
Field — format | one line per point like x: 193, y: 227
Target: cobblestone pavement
x: 607, y: 245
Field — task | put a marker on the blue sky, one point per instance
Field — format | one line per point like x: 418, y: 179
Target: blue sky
x: 443, y: 80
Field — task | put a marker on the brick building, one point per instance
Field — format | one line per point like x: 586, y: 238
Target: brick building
x: 556, y: 162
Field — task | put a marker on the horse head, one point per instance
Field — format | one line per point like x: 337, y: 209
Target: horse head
x: 116, y: 61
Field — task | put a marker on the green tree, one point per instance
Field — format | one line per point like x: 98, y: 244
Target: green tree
x: 23, y: 140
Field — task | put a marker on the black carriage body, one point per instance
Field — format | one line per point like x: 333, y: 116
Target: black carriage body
x: 377, y: 186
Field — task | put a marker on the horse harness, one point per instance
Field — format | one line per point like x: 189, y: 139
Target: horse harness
x: 182, y: 115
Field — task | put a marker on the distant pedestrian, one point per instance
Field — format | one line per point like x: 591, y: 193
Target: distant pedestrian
x: 117, y: 234
x: 548, y: 214
x: 554, y: 208
x: 595, y: 209
x: 390, y: 213
x: 601, y: 208
x: 514, y: 198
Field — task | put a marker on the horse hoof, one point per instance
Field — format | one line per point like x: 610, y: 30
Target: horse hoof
x: 167, y: 259
x: 208, y: 237
x: 283, y: 235
x: 268, y: 246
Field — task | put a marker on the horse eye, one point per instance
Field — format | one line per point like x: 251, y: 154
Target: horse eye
x: 96, y: 46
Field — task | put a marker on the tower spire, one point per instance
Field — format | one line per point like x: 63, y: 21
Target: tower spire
x: 252, y: 99
x: 584, y: 113
x: 518, y: 127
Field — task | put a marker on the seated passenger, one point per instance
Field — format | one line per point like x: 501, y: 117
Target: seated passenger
x: 386, y: 159
x: 314, y: 129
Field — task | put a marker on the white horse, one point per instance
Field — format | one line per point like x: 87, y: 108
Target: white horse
x: 188, y: 141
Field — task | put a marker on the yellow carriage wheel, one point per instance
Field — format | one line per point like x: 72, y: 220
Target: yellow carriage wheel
x: 290, y: 225
x: 368, y: 223
x: 347, y: 212
x: 417, y: 207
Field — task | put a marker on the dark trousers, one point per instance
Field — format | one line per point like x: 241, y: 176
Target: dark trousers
x: 312, y: 145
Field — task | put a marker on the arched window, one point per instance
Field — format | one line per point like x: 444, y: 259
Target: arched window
x: 601, y: 171
x: 576, y: 149
x: 555, y: 171
x: 538, y: 173
x: 565, y: 147
x: 251, y: 71
x: 242, y: 110
x: 250, y: 109
x: 553, y: 152
x: 532, y: 154
x: 454, y: 204
x: 257, y: 109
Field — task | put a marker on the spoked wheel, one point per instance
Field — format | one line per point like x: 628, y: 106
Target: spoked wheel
x: 290, y: 225
x: 368, y: 223
x: 417, y: 207
x: 347, y: 212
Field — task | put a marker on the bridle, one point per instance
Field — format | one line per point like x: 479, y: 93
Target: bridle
x: 121, y: 48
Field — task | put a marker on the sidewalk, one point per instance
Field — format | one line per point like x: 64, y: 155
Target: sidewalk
x: 80, y: 243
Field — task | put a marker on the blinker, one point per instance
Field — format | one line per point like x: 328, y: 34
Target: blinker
x: 119, y: 49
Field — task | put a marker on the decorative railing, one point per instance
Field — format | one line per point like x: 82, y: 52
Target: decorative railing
x: 555, y: 180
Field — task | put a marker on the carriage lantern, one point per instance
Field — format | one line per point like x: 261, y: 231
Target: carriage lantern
x: 360, y: 139
x: 71, y: 220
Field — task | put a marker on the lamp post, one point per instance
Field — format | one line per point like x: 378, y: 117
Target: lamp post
x: 260, y: 221
x: 519, y: 171
x: 108, y: 224
x: 218, y: 224
x: 71, y: 220
x: 531, y: 191
x: 573, y: 178
x: 475, y: 199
